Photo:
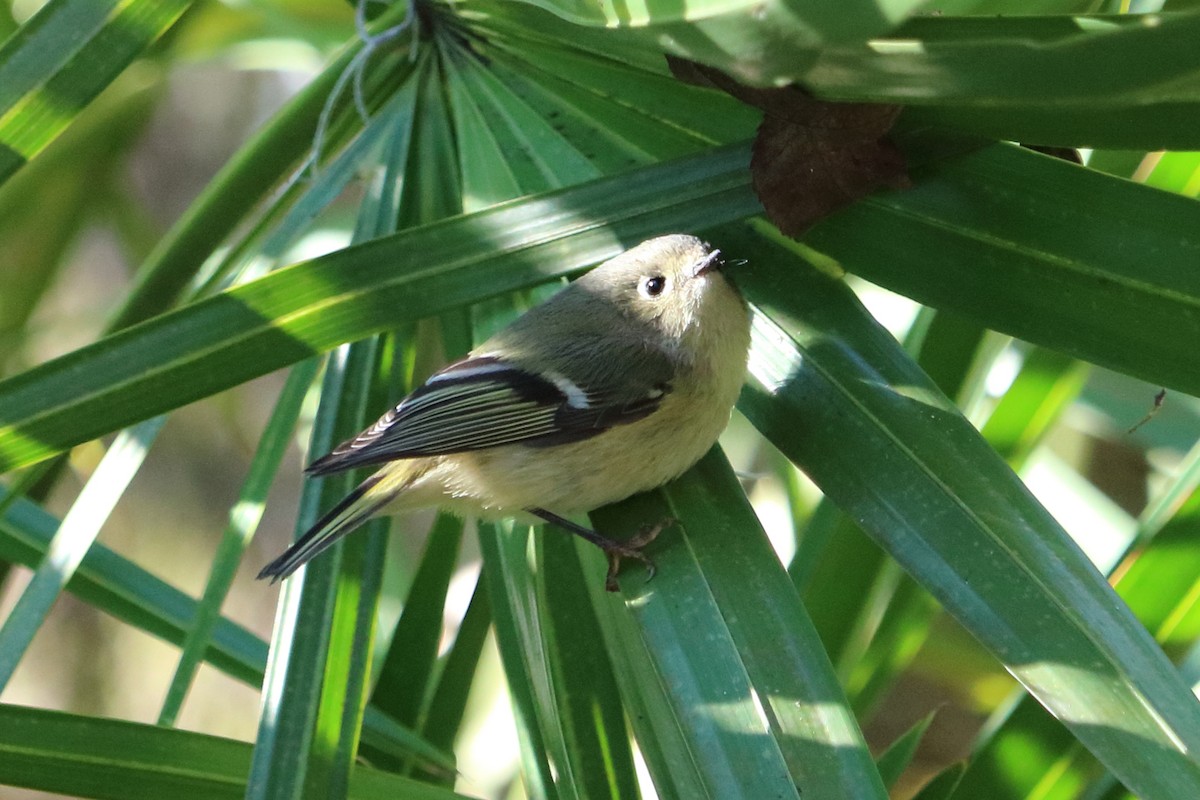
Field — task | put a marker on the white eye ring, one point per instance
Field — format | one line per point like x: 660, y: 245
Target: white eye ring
x: 652, y: 286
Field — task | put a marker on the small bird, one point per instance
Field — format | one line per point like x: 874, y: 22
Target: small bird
x: 614, y: 386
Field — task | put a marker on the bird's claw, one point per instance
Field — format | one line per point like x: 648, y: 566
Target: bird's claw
x: 633, y: 549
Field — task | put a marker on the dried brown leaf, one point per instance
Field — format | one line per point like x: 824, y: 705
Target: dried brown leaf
x: 811, y: 157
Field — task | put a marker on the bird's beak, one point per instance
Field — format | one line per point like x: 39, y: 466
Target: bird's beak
x: 709, y: 262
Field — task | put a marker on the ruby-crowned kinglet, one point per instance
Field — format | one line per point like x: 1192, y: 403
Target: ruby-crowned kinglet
x: 615, y: 385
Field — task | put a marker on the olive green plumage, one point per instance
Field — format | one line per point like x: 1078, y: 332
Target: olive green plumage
x: 615, y: 385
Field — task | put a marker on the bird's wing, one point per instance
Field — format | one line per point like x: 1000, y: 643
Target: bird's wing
x: 485, y: 402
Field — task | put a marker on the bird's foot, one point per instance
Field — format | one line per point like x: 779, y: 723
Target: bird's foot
x: 632, y: 548
x: 614, y: 550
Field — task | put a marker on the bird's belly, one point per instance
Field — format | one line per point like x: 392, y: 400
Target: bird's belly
x: 588, y: 474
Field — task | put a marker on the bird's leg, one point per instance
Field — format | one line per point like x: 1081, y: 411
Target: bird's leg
x: 613, y: 549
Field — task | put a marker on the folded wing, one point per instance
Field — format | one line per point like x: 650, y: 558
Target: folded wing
x: 485, y: 402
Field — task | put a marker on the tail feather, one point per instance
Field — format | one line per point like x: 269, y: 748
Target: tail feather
x: 353, y: 510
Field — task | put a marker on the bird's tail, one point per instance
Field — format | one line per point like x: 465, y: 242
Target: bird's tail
x: 353, y: 510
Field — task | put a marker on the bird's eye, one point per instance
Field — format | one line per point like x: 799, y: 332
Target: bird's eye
x: 653, y: 286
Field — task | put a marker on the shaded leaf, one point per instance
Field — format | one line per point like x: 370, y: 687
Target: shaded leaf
x: 308, y: 613
x: 300, y: 310
x: 590, y: 704
x: 72, y: 540
x: 893, y: 761
x: 61, y: 59
x: 882, y: 442
x: 730, y: 693
x: 130, y: 593
x: 943, y: 786
x: 1040, y: 249
x: 68, y: 754
x: 243, y: 522
x: 408, y: 666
